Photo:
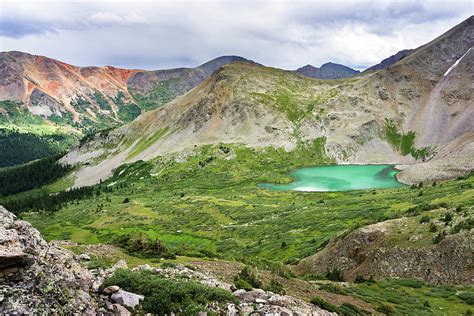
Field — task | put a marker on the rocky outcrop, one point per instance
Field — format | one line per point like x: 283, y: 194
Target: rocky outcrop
x: 274, y: 304
x: 36, y: 277
x: 395, y: 249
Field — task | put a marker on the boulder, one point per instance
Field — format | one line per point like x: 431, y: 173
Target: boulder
x: 111, y: 289
x: 84, y: 257
x: 126, y: 298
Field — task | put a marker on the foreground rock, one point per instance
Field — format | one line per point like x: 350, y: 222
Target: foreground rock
x: 268, y: 303
x: 37, y: 277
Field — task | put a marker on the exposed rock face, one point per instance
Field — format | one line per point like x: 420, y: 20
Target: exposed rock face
x: 39, y: 278
x: 371, y: 252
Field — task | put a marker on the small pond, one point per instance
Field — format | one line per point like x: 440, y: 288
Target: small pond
x: 340, y: 178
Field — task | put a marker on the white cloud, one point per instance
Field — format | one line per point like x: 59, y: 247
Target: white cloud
x: 161, y: 34
x: 112, y: 18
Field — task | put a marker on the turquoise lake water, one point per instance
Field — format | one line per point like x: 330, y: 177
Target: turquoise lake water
x: 340, y: 178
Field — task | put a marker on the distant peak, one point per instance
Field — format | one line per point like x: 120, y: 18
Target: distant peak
x: 328, y: 70
x: 308, y: 66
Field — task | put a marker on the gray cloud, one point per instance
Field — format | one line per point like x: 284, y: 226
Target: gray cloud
x: 163, y: 34
x: 17, y: 28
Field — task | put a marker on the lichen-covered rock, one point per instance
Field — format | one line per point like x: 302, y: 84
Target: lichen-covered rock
x: 126, y: 298
x: 39, y: 278
x: 111, y: 289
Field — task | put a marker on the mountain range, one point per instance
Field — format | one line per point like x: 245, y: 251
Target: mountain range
x: 416, y: 113
x: 93, y: 97
x: 418, y: 94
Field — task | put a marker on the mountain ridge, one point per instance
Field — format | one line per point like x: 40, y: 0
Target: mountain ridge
x: 50, y: 87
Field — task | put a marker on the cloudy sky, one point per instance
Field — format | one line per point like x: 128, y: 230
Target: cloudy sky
x: 165, y: 34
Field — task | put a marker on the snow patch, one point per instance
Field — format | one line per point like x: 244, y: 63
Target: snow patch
x: 456, y: 63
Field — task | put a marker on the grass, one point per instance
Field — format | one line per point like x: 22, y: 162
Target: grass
x: 160, y: 94
x: 404, y: 142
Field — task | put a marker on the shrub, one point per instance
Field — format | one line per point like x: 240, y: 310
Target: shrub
x: 335, y: 275
x: 413, y: 283
x: 424, y: 219
x: 333, y: 288
x: 439, y: 237
x: 126, y: 200
x: 165, y: 296
x: 166, y: 265
x: 247, y: 279
x: 447, y: 218
x: 468, y: 297
x: 467, y: 225
x: 433, y: 228
x: 324, y: 304
x: 348, y: 309
x: 275, y: 287
x: 142, y: 245
x: 359, y: 279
